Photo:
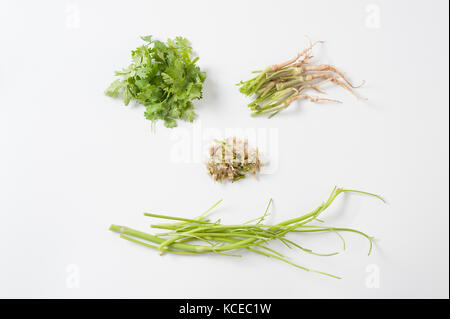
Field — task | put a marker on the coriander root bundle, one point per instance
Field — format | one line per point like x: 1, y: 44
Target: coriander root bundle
x: 232, y: 159
x: 279, y: 85
x: 201, y: 235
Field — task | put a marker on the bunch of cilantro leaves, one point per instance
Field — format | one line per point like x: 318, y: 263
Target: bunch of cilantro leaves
x: 164, y: 78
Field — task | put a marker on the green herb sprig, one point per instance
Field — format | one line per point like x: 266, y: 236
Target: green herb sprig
x: 164, y: 78
x: 223, y: 239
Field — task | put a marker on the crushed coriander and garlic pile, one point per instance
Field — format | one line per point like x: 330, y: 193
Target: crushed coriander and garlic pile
x: 232, y: 159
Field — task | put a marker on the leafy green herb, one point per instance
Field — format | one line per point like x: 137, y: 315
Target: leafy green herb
x: 253, y: 235
x: 164, y: 78
x: 277, y: 86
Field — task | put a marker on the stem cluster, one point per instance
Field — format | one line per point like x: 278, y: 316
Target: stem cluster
x: 276, y: 87
x: 201, y: 235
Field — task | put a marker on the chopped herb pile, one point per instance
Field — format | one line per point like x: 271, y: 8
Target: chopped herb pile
x: 185, y: 236
x: 164, y: 78
x: 232, y: 160
x: 279, y: 85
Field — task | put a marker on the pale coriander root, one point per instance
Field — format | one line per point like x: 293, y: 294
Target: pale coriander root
x: 279, y: 85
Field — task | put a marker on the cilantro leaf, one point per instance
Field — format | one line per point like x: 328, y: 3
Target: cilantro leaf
x: 164, y: 78
x: 113, y: 89
x: 147, y: 38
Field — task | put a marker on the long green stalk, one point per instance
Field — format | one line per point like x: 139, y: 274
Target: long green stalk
x: 185, y: 233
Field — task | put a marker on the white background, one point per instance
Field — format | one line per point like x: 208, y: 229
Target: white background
x: 73, y: 161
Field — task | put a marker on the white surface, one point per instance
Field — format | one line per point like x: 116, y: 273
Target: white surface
x: 74, y: 161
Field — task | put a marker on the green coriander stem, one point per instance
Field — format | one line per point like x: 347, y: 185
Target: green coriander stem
x: 177, y: 218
